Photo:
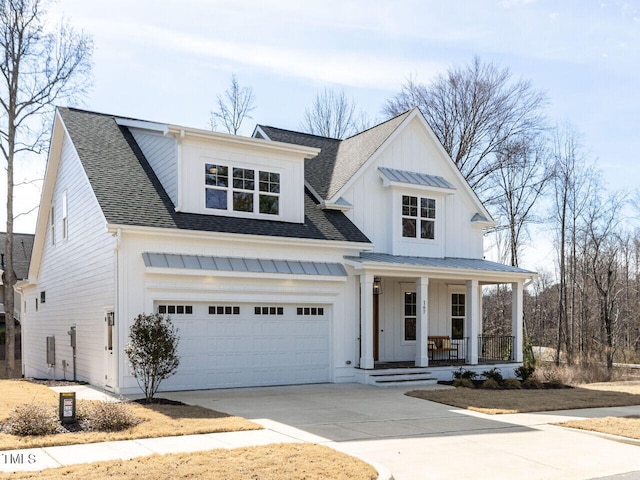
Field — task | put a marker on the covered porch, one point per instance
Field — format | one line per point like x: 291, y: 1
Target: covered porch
x: 418, y: 312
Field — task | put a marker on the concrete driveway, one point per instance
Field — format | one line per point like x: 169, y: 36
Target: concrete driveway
x: 416, y: 439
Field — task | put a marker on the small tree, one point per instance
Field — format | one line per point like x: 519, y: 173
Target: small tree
x: 153, y: 342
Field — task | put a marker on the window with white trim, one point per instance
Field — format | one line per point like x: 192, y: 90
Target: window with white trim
x: 52, y: 224
x: 175, y: 309
x: 65, y: 223
x: 252, y: 191
x: 458, y: 312
x: 409, y: 316
x: 418, y: 217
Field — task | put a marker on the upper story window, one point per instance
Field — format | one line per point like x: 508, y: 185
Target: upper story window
x: 241, y: 195
x: 65, y: 214
x: 52, y: 224
x: 418, y: 217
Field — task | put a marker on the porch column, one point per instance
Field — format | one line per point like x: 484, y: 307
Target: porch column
x: 366, y: 321
x: 422, y: 321
x: 516, y: 320
x: 472, y: 327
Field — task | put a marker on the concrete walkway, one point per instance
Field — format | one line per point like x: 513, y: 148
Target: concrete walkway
x: 412, y: 438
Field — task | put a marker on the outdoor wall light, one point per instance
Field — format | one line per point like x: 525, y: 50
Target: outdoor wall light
x: 377, y: 286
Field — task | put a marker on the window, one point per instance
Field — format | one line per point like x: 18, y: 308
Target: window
x: 310, y: 311
x: 457, y: 315
x: 224, y: 310
x: 409, y: 316
x: 246, y: 195
x: 418, y: 217
x: 52, y: 225
x: 216, y: 178
x: 269, y: 310
x: 175, y: 309
x: 65, y: 228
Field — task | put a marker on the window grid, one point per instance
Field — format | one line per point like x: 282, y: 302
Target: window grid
x: 424, y: 216
x: 313, y: 311
x: 224, y: 310
x: 245, y: 197
x: 458, y: 312
x: 269, y: 310
x: 409, y: 316
x: 175, y: 309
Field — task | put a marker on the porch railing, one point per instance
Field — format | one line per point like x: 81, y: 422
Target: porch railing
x: 496, y: 348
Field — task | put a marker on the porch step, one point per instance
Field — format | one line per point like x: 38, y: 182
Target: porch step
x: 400, y: 376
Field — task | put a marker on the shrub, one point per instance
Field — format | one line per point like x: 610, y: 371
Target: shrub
x: 32, y: 419
x: 108, y: 417
x: 532, y: 383
x: 464, y: 383
x: 493, y: 374
x: 466, y: 374
x: 525, y: 371
x: 152, y: 351
x: 490, y: 384
x: 511, y: 384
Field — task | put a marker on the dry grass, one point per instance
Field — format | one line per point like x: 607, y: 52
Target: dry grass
x: 621, y: 426
x: 158, y: 420
x: 520, y: 401
x: 286, y: 461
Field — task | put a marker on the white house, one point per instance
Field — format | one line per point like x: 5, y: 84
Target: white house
x: 285, y: 258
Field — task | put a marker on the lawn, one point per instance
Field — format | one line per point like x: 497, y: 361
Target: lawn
x: 284, y: 461
x: 158, y: 420
x: 520, y: 401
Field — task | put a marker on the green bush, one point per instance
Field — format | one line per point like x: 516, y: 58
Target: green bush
x: 107, y: 417
x: 490, y: 384
x: 493, y: 374
x: 511, y: 384
x: 152, y: 351
x: 525, y: 371
x: 532, y: 384
x: 32, y: 419
x: 464, y: 383
x: 461, y: 373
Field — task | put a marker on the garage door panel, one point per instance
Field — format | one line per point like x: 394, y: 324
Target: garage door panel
x: 247, y: 349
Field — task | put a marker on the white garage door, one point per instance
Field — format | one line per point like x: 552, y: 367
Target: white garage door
x: 239, y: 345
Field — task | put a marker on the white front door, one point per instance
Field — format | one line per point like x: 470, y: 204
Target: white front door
x: 109, y: 357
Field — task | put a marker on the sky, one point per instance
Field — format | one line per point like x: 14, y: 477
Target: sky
x: 167, y: 61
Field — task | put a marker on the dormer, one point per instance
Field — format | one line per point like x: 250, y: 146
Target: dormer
x: 219, y: 174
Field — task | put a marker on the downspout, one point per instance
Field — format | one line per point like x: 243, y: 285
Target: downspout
x: 116, y: 307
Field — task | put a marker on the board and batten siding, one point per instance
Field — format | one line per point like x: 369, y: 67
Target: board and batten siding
x: 162, y: 154
x: 377, y: 209
x: 77, y: 276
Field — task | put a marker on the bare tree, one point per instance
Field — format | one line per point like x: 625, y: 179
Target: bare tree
x: 37, y: 68
x: 523, y: 173
x: 474, y: 110
x: 234, y: 107
x: 333, y: 115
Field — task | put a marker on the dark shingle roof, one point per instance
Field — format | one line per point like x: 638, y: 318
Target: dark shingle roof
x: 339, y: 160
x: 129, y: 192
x: 22, y: 247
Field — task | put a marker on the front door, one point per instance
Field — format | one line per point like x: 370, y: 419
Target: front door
x: 109, y: 360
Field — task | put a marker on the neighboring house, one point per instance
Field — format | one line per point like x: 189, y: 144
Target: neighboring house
x: 22, y: 246
x: 285, y: 258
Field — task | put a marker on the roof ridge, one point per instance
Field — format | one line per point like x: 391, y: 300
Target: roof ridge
x: 381, y: 124
x: 300, y: 133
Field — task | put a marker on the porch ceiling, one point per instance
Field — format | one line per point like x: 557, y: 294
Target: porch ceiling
x: 447, y: 266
